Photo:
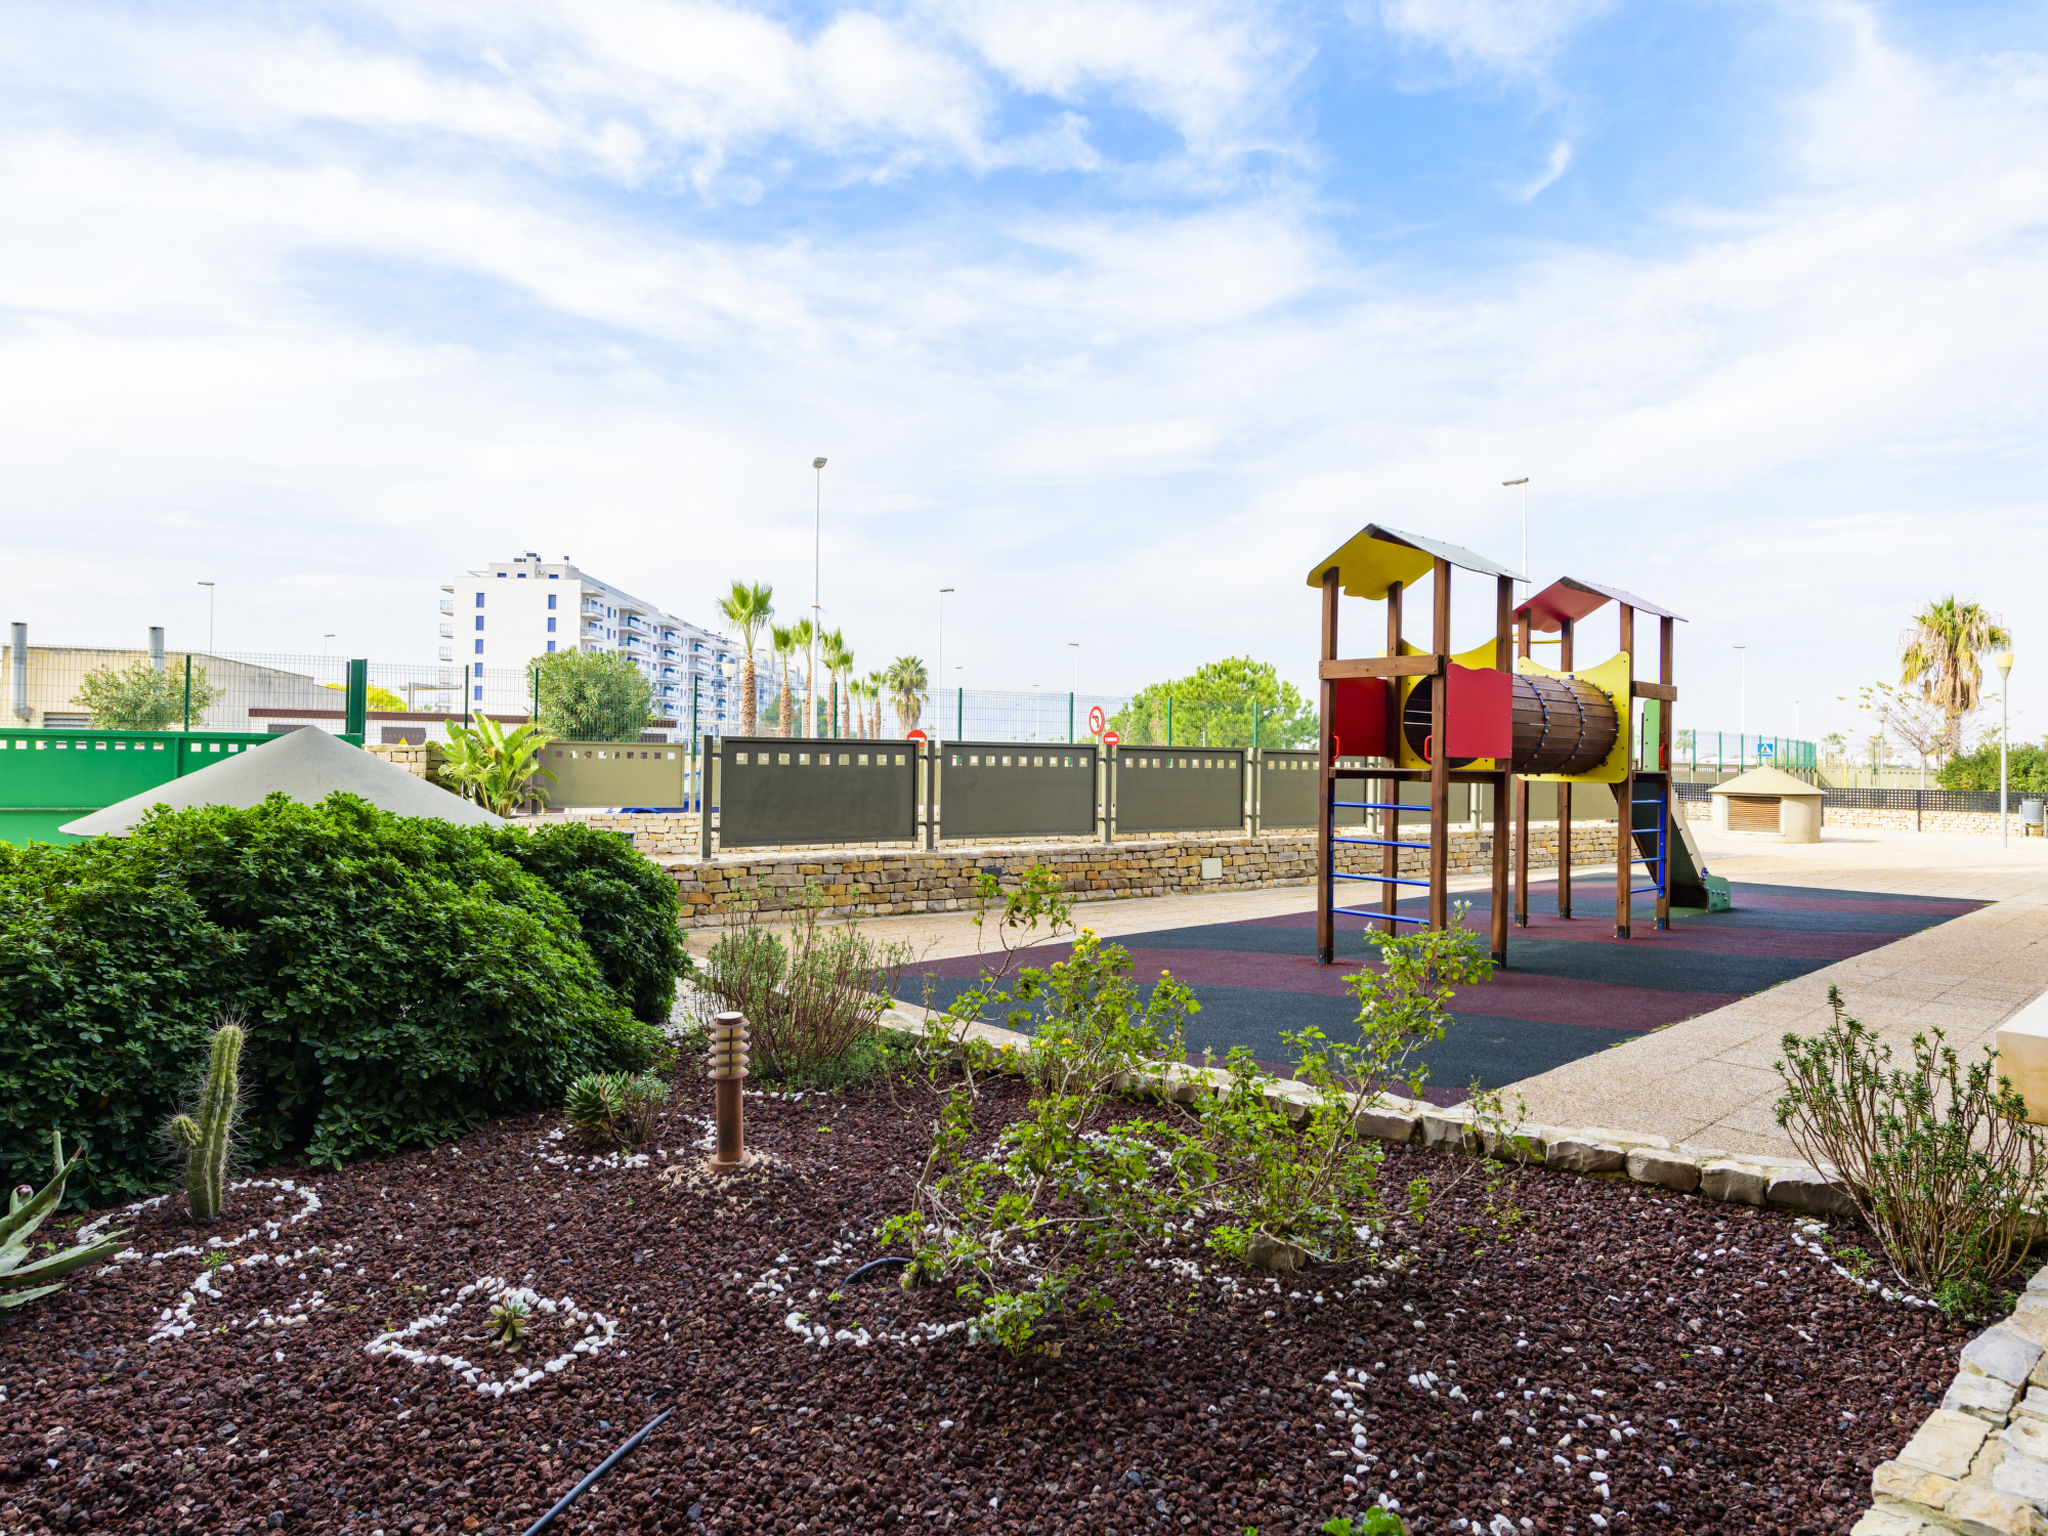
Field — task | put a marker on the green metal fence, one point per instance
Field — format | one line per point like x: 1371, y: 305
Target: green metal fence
x: 50, y: 777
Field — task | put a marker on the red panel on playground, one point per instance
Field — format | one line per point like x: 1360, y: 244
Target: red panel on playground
x: 1479, y: 715
x: 1358, y: 716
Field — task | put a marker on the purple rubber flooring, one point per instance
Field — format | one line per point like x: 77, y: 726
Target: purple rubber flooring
x: 1570, y: 987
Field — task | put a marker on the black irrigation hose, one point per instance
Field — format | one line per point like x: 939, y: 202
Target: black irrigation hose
x: 871, y: 1266
x: 602, y: 1467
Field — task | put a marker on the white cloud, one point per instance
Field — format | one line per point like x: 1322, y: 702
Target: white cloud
x: 1560, y: 160
x: 1507, y: 35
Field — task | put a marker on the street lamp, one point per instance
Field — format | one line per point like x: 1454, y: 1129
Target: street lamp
x: 209, y: 616
x: 817, y: 565
x: 1523, y: 482
x: 1742, y: 713
x: 939, y: 682
x: 2003, y: 661
x: 1074, y: 700
x: 323, y: 644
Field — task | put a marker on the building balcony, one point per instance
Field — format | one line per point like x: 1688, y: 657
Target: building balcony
x: 447, y: 653
x: 447, y: 605
x: 447, y: 631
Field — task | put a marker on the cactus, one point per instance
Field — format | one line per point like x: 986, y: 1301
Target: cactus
x: 25, y: 1212
x: 206, y: 1136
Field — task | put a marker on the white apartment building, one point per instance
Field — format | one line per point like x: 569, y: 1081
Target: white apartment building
x: 497, y: 619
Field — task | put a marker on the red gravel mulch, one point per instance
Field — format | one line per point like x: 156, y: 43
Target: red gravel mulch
x: 1691, y: 1360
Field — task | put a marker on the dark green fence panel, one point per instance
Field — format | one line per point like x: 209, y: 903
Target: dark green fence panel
x: 50, y: 777
x: 1286, y: 790
x: 1179, y: 789
x: 1012, y: 789
x: 773, y: 790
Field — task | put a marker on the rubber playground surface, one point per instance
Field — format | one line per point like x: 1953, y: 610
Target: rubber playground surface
x: 1569, y: 989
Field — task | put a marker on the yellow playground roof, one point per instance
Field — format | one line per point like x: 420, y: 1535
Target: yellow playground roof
x: 1374, y: 558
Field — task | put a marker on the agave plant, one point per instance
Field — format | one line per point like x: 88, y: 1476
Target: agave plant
x: 495, y: 767
x: 23, y: 1281
x: 613, y: 1108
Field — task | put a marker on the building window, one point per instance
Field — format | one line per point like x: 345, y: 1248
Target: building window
x: 479, y: 621
x: 554, y: 576
x: 479, y: 599
x: 551, y: 626
x: 479, y: 693
x: 551, y: 644
x: 479, y: 647
x: 501, y: 575
x: 551, y: 598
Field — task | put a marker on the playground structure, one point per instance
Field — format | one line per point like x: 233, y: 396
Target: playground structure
x: 1491, y: 715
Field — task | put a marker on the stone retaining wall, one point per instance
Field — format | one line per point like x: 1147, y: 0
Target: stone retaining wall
x: 1981, y: 822
x: 887, y: 881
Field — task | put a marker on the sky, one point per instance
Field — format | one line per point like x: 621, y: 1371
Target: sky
x: 1114, y: 317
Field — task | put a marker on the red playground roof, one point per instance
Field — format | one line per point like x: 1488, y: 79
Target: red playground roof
x: 1570, y: 598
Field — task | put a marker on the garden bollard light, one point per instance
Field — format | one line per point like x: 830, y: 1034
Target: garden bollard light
x: 728, y: 1072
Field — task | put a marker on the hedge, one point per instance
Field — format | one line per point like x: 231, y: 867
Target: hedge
x: 401, y: 979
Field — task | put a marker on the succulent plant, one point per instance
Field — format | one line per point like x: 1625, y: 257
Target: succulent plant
x: 508, y: 1323
x: 24, y: 1281
x: 206, y: 1136
x: 614, y: 1108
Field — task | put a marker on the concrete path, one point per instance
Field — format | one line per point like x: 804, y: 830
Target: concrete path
x: 1709, y: 1080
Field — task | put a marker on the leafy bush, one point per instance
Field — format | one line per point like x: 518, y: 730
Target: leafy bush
x: 614, y: 1109
x: 400, y: 980
x: 625, y: 905
x: 2026, y: 769
x: 499, y: 769
x: 809, y: 1002
x: 591, y: 695
x: 1939, y: 1159
x: 1071, y: 1188
x: 140, y: 698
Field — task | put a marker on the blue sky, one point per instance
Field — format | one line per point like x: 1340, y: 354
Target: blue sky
x: 1113, y: 316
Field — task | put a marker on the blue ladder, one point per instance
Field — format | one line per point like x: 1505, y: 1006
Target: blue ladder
x: 1332, y: 875
x: 1661, y: 863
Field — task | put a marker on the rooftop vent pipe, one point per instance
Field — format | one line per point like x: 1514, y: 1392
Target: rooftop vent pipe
x: 156, y: 649
x: 18, y: 659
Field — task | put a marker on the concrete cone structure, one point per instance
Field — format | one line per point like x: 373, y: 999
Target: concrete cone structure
x: 308, y: 765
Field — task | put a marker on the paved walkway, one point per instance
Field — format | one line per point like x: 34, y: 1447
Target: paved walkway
x: 1709, y: 1080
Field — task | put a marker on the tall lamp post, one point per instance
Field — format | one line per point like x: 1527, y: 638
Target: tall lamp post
x: 1742, y: 707
x: 209, y: 616
x: 1523, y: 482
x: 817, y: 565
x: 938, y: 705
x: 1074, y: 699
x: 2003, y: 661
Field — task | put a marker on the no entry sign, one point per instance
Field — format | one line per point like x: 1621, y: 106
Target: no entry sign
x: 1110, y: 738
x: 917, y: 735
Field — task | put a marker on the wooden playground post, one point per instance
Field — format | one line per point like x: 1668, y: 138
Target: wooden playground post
x: 1504, y: 778
x: 1326, y: 851
x: 1390, y: 821
x: 1625, y: 788
x: 1439, y: 759
x: 1522, y: 644
x: 1666, y: 643
x: 1564, y: 794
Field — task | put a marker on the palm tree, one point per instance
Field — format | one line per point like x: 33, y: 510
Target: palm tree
x: 908, y: 682
x: 782, y: 639
x: 1940, y: 656
x: 874, y: 697
x: 800, y: 644
x: 838, y: 660
x: 746, y: 609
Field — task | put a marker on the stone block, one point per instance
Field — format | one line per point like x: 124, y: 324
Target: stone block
x: 2031, y: 1322
x: 2002, y: 1354
x: 1946, y: 1443
x: 1910, y: 1485
x: 2035, y: 1403
x: 1988, y: 1399
x: 1892, y: 1522
x: 2023, y: 1478
x: 1724, y: 1178
x: 1802, y: 1189
x: 1449, y: 1130
x: 2022, y: 1045
x: 1387, y: 1124
x: 1670, y: 1168
x: 1523, y: 1145
x: 2026, y: 1436
x: 1577, y: 1154
x: 1987, y: 1512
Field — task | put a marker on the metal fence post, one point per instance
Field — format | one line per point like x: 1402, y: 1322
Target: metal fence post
x: 465, y: 697
x: 960, y: 714
x: 1109, y: 759
x: 930, y: 752
x: 704, y: 804
x: 1253, y: 768
x: 1169, y: 719
x: 356, y: 712
x: 188, y: 690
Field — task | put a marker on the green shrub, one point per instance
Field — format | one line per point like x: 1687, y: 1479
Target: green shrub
x: 2026, y: 769
x: 624, y: 902
x: 401, y: 980
x: 614, y: 1109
